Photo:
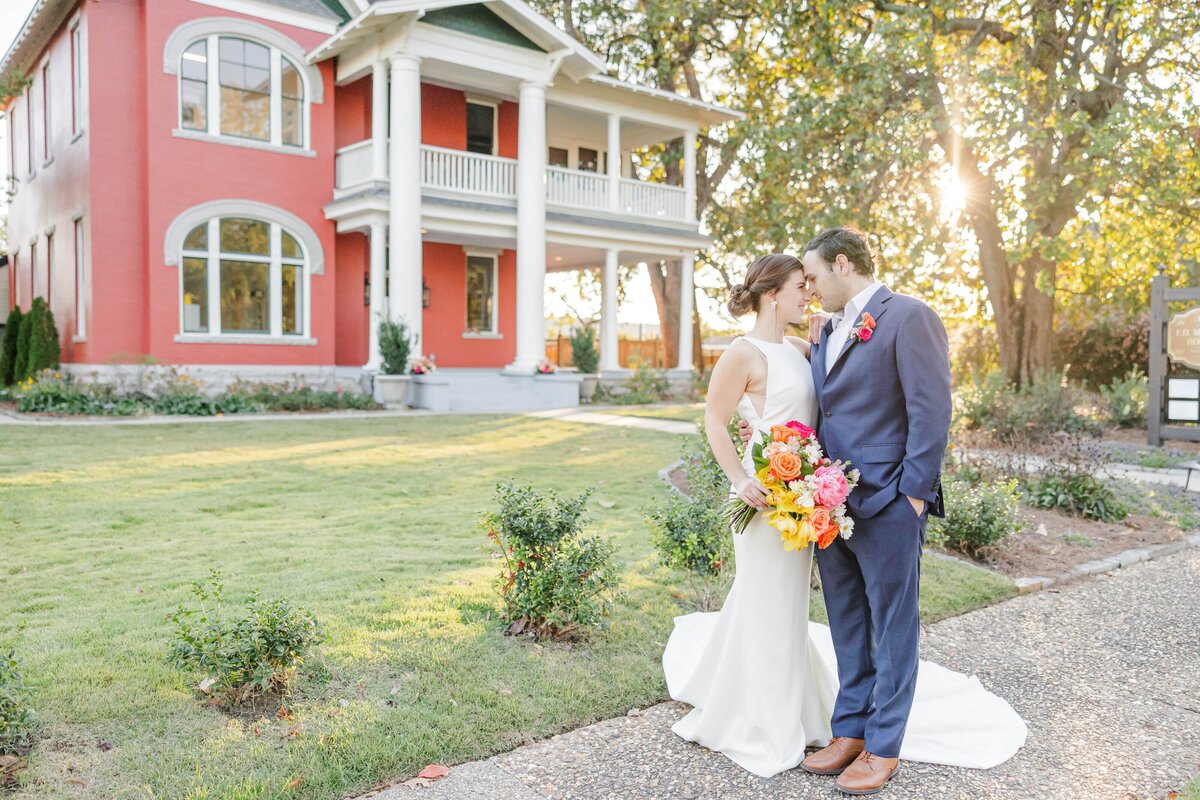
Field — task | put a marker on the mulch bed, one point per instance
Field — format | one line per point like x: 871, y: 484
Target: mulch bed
x: 1053, y: 543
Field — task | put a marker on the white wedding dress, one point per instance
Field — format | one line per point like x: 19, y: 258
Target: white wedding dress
x: 762, y: 679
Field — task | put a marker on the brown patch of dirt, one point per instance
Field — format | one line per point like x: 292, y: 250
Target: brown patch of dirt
x: 679, y: 481
x: 1053, y: 544
x: 1137, y: 436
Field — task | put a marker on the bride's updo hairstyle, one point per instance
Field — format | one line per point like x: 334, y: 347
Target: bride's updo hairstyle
x: 766, y: 273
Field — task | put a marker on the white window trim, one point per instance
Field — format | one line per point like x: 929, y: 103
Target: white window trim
x: 46, y: 77
x: 81, y: 281
x: 495, y: 106
x: 494, y: 256
x: 78, y: 75
x: 30, y: 128
x: 210, y: 213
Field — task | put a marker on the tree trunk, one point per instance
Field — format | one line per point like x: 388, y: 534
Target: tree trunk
x: 665, y: 280
x: 1037, y: 323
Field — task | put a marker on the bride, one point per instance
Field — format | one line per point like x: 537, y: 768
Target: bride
x: 761, y: 678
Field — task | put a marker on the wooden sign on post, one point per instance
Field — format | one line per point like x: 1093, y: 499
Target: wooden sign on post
x: 1174, y: 399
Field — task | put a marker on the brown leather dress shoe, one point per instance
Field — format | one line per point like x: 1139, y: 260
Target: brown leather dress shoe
x: 834, y: 757
x: 868, y: 774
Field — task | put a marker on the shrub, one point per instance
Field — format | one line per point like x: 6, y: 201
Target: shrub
x: 644, y: 385
x: 1080, y: 495
x: 691, y: 532
x: 244, y: 657
x: 395, y: 343
x: 1103, y: 350
x: 584, y: 354
x: 289, y: 397
x: 16, y: 720
x: 44, y: 351
x: 24, y: 332
x: 1126, y: 398
x: 555, y: 583
x: 1046, y: 405
x: 8, y: 349
x: 979, y: 515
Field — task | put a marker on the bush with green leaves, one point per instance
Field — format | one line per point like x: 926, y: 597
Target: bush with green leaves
x: 979, y: 514
x: 555, y: 582
x: 242, y: 656
x: 584, y: 355
x: 1080, y: 495
x: 37, y: 342
x: 1126, y: 399
x: 8, y: 349
x: 395, y: 345
x: 691, y: 531
x: 16, y: 719
x: 643, y: 386
x: 1046, y: 405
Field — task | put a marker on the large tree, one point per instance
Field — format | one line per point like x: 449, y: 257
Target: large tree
x: 1055, y: 135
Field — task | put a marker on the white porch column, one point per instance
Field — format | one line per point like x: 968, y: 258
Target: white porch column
x: 404, y: 280
x: 689, y: 173
x: 379, y: 121
x: 378, y: 309
x: 614, y: 162
x: 687, y: 295
x: 531, y: 229
x: 609, y: 354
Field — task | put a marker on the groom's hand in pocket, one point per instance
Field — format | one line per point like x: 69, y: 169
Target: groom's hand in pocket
x: 745, y: 431
x: 918, y: 505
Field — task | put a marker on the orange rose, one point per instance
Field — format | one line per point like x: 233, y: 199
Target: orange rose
x: 782, y: 433
x: 786, y: 466
x: 868, y: 321
x: 825, y: 539
x: 820, y: 520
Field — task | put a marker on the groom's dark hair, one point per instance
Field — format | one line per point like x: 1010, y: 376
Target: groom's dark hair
x: 845, y: 241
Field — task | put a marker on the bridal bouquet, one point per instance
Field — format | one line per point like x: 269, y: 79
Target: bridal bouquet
x: 806, y: 491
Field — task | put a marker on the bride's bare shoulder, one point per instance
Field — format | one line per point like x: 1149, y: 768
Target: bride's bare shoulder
x: 800, y: 344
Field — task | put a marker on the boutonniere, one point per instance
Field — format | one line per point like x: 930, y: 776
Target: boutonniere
x: 862, y: 331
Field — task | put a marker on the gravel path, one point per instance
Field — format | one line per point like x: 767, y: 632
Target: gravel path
x: 1105, y: 671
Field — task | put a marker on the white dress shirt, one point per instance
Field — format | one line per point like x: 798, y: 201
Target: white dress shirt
x: 843, y: 322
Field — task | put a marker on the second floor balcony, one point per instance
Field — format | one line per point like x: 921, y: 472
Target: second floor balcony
x: 463, y: 173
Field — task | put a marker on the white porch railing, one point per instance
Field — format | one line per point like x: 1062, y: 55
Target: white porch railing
x: 352, y: 164
x: 475, y: 173
x: 572, y: 187
x: 461, y: 171
x: 655, y: 200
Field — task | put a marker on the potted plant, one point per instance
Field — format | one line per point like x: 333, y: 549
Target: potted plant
x: 395, y: 343
x: 586, y: 359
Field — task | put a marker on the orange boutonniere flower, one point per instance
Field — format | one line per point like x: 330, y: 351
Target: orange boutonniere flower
x: 864, y: 329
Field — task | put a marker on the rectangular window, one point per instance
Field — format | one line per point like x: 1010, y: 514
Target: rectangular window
x: 559, y: 157
x: 12, y: 147
x: 293, y: 299
x: 15, y: 266
x: 245, y: 77
x: 245, y: 297
x: 46, y: 111
x: 481, y: 294
x: 481, y: 128
x: 80, y: 283
x: 291, y: 103
x: 76, y: 79
x: 33, y: 287
x: 50, y: 268
x: 195, y: 295
x: 193, y: 87
x: 589, y: 159
x: 29, y: 130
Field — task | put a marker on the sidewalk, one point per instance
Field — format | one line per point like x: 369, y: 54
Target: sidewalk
x: 1106, y: 672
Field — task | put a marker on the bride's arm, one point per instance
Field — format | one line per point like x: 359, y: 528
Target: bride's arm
x: 730, y: 377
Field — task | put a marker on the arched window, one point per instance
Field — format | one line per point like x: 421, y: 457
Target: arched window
x: 242, y: 277
x: 244, y: 82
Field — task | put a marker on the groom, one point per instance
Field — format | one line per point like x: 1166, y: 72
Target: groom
x: 882, y: 374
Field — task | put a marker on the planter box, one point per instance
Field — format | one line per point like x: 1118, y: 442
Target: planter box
x: 393, y: 389
x: 587, y: 387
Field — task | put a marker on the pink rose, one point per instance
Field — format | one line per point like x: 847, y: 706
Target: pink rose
x: 829, y: 486
x: 800, y: 428
x: 864, y: 334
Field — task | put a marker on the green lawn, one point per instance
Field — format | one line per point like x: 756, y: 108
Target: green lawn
x: 1192, y: 790
x: 371, y: 524
x: 688, y: 412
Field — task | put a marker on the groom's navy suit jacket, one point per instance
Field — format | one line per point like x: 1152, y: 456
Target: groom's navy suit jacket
x: 885, y: 405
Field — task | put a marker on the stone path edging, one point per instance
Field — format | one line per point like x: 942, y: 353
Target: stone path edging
x: 1109, y: 564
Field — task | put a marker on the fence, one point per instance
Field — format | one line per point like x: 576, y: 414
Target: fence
x: 649, y: 352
